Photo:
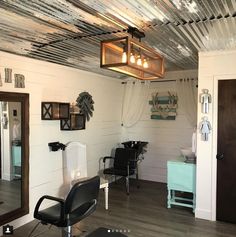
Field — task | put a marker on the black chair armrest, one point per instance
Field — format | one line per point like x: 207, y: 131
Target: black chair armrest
x: 107, y: 157
x: 60, y: 200
x: 91, y: 209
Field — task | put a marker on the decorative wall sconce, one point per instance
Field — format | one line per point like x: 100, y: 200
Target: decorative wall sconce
x: 205, y: 99
x: 55, y: 110
x: 131, y: 57
x: 205, y: 128
x: 5, y: 121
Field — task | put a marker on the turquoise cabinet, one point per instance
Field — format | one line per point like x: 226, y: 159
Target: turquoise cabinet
x: 16, y: 161
x: 181, y: 176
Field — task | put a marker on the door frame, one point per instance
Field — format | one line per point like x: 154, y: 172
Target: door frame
x: 216, y: 79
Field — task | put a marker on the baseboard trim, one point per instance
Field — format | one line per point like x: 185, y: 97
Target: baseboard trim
x: 6, y: 177
x: 203, y: 214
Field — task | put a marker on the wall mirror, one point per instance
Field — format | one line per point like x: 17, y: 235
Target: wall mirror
x: 14, y: 156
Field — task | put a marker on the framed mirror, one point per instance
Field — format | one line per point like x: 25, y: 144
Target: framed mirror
x: 14, y: 156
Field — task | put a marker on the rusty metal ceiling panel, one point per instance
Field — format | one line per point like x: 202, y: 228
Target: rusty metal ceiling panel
x: 68, y: 32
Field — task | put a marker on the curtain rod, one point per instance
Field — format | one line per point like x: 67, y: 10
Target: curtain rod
x: 124, y: 82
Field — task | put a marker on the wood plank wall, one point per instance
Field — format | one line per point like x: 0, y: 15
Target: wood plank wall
x: 164, y: 137
x: 50, y: 82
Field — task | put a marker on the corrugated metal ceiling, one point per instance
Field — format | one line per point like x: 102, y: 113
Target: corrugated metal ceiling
x: 69, y: 32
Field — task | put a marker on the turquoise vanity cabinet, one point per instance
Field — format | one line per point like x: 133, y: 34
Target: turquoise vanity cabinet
x: 181, y: 176
x: 16, y: 161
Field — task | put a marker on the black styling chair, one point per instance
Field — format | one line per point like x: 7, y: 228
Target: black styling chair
x: 125, y: 164
x: 79, y: 203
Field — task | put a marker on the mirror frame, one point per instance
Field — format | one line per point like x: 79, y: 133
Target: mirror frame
x: 23, y: 98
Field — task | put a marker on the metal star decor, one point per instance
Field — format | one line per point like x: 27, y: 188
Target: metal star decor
x: 85, y: 103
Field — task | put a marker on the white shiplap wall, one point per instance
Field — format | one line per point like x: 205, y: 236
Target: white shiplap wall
x: 51, y: 82
x: 164, y: 137
x: 213, y: 66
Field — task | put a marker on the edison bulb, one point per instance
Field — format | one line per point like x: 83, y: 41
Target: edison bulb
x: 139, y: 61
x: 132, y: 58
x: 124, y: 57
x: 145, y: 64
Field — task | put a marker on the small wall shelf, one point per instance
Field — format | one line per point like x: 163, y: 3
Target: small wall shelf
x: 55, y: 110
x: 75, y: 122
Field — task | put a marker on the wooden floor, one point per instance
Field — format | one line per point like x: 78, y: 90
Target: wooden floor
x: 143, y: 214
x: 10, y: 195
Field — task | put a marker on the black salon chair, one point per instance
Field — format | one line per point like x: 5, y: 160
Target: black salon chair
x: 125, y: 164
x: 79, y: 203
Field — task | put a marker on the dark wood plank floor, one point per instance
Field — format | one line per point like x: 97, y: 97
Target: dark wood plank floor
x: 143, y: 214
x: 10, y: 195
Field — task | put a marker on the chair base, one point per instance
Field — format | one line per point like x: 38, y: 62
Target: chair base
x: 34, y: 229
x: 127, y: 182
x: 66, y: 232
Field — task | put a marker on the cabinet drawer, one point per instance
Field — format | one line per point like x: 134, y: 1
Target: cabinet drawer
x: 181, y: 176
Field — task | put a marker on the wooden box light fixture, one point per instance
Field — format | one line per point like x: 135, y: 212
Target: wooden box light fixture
x: 131, y: 57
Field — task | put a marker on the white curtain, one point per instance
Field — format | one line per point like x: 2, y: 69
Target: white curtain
x: 187, y: 95
x: 134, y: 101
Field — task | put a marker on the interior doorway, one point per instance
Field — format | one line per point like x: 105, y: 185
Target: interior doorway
x: 226, y: 152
